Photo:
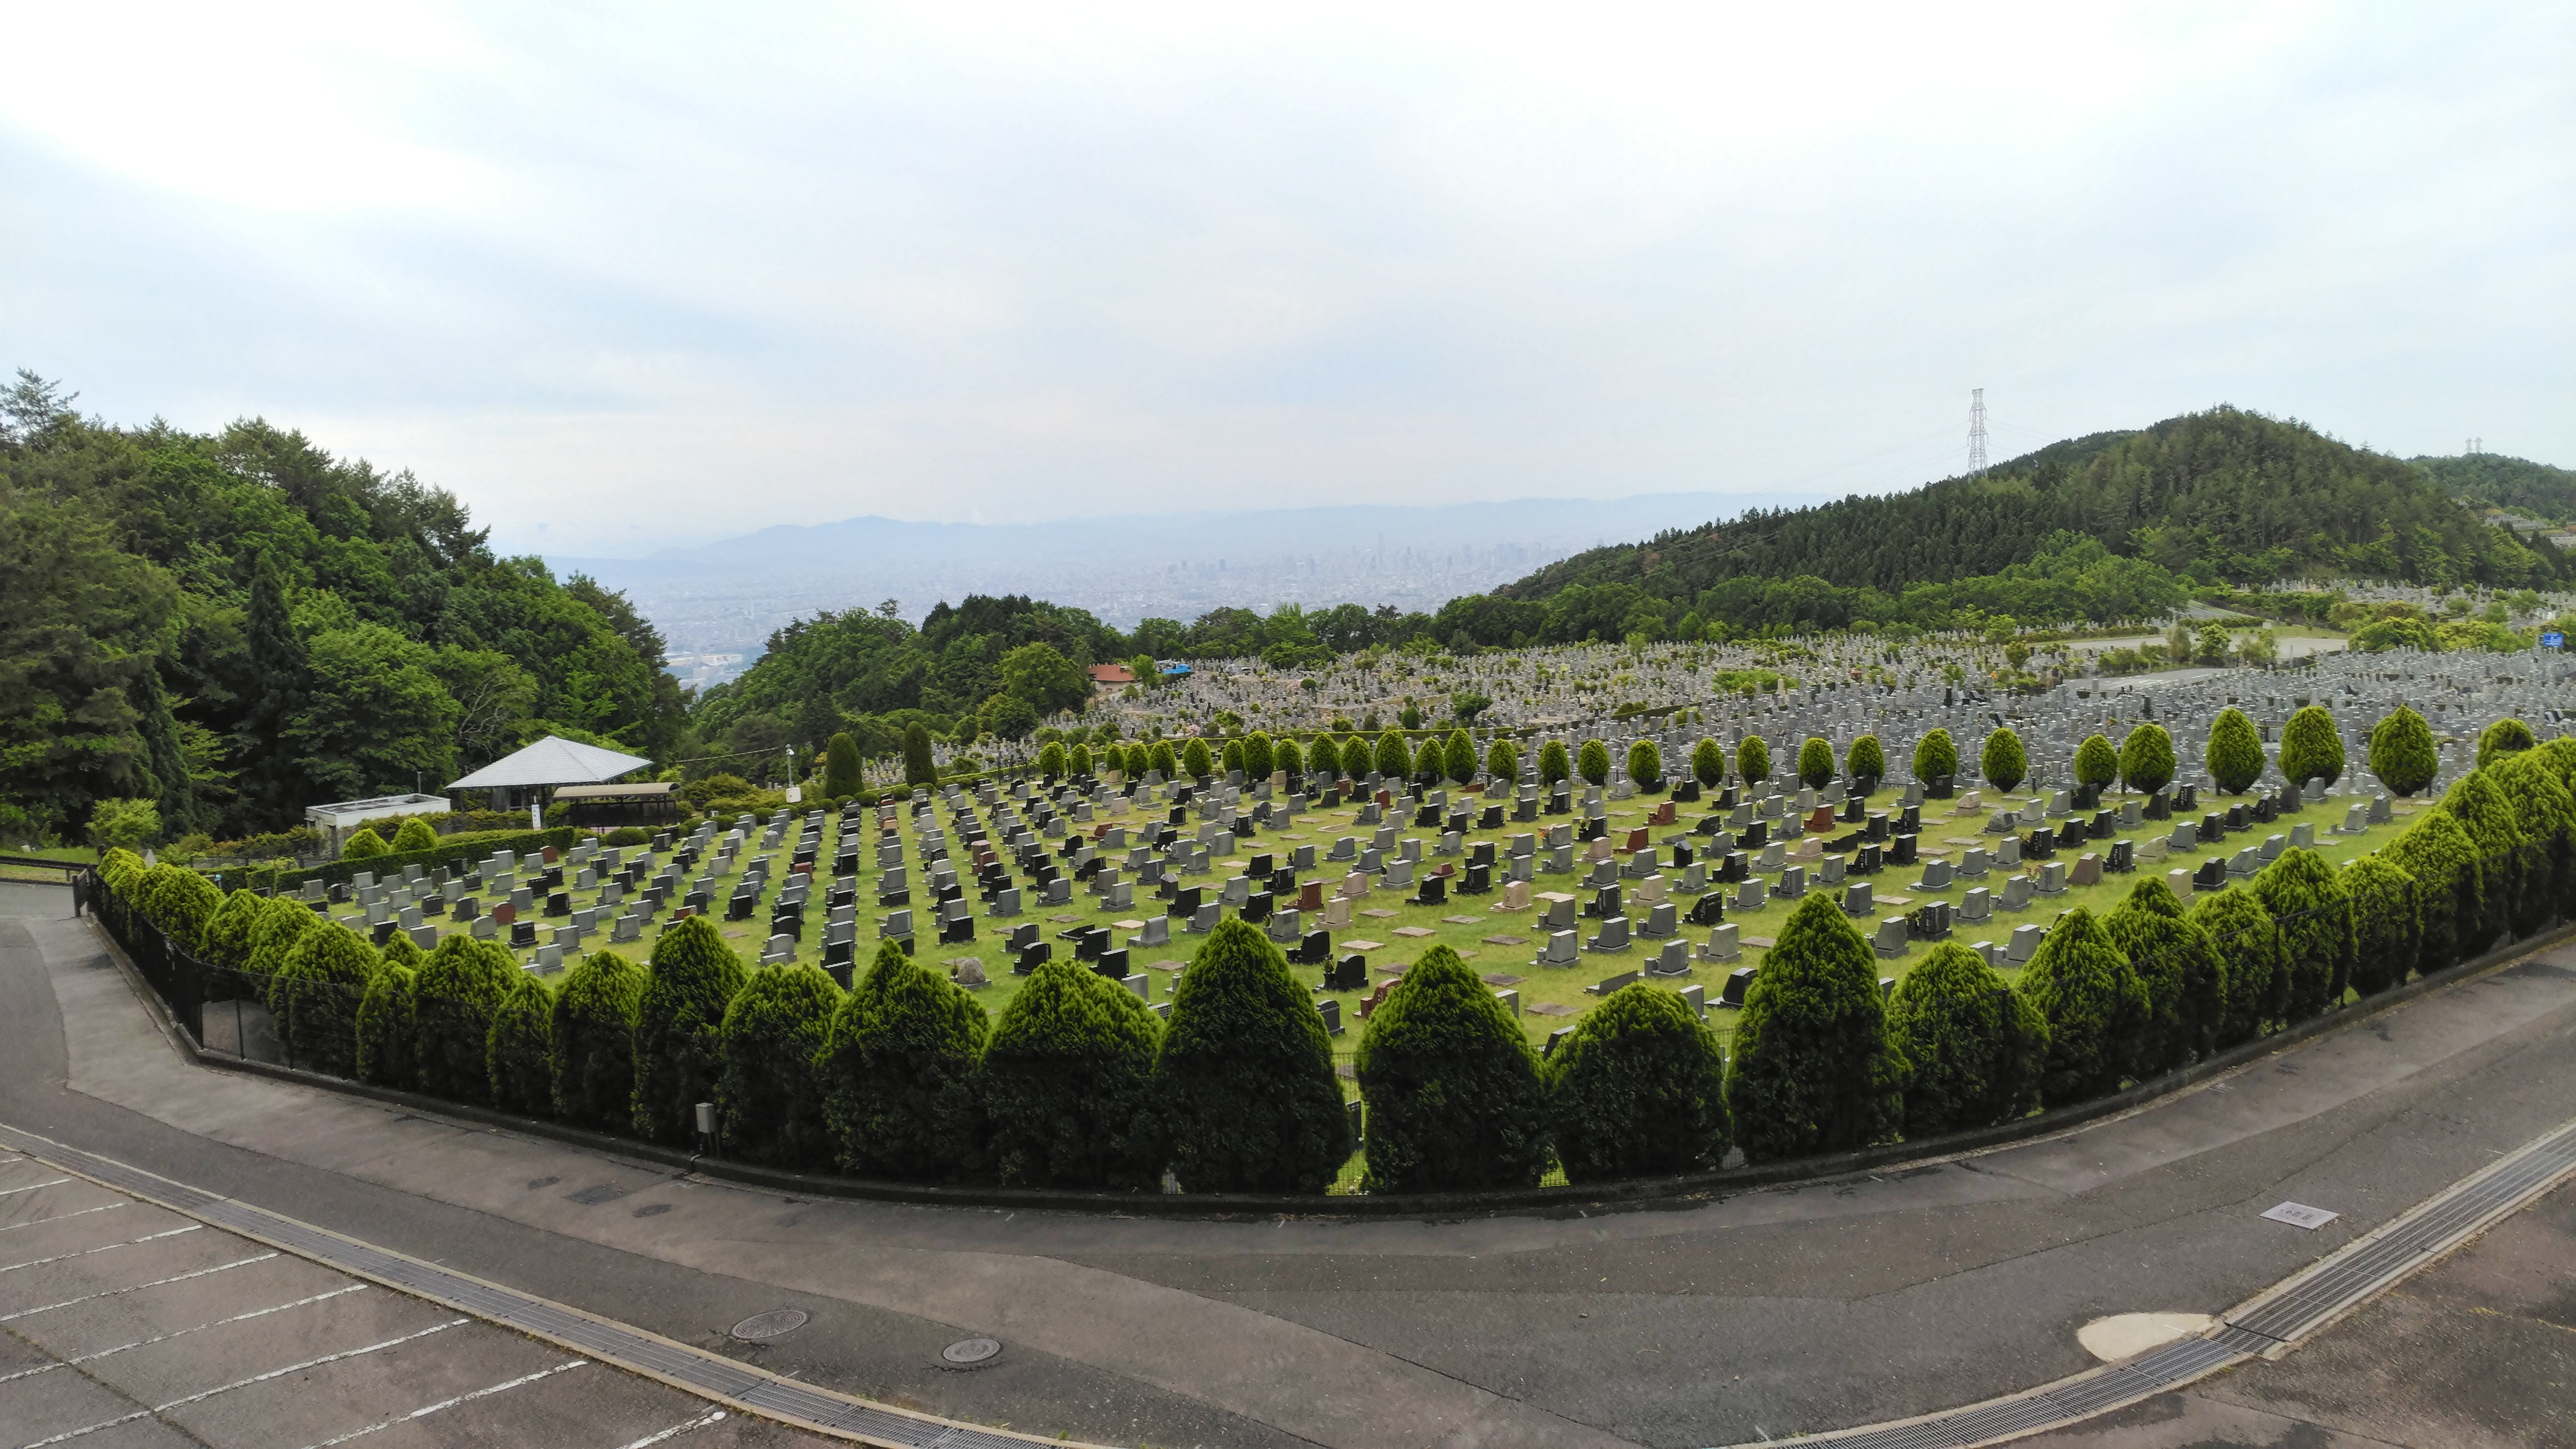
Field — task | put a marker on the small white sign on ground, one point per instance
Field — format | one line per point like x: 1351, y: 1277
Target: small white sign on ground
x: 2300, y: 1215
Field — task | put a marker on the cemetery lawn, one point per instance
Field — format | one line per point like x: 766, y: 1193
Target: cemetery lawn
x: 68, y: 854
x: 1561, y: 992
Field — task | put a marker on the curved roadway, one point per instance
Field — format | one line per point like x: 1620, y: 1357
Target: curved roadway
x: 1765, y: 1314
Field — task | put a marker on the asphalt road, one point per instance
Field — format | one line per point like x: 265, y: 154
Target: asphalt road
x: 1763, y: 1314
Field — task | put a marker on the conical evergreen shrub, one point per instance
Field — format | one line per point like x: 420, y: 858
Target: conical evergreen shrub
x: 1244, y: 1077
x: 841, y: 774
x: 1974, y: 1048
x: 1325, y: 758
x: 1708, y: 763
x: 515, y: 1049
x: 1285, y: 755
x: 2234, y: 753
x: 1865, y: 763
x: 399, y: 951
x: 1257, y: 757
x: 1637, y: 1089
x: 1935, y: 754
x: 2184, y: 976
x: 2450, y: 887
x: 1460, y: 758
x: 2311, y: 747
x: 365, y: 845
x: 2095, y: 1008
x: 2401, y: 751
x: 184, y: 902
x: 1553, y: 766
x: 2096, y: 763
x: 388, y: 1028
x: 1195, y: 760
x: 900, y: 1093
x: 1645, y: 765
x: 1067, y: 1083
x: 2146, y: 759
x: 2387, y: 920
x: 2258, y: 975
x: 1813, y: 1069
x: 590, y: 1042
x: 2488, y: 817
x: 770, y: 1093
x: 2503, y: 739
x: 1815, y: 762
x: 1452, y: 1089
x: 1394, y: 760
x: 1503, y: 762
x: 227, y: 938
x: 1592, y: 762
x: 281, y: 923
x: 2546, y: 811
x: 2307, y: 900
x: 2003, y: 762
x: 316, y: 997
x: 415, y: 835
x: 1752, y: 759
x: 691, y: 980
x: 454, y: 996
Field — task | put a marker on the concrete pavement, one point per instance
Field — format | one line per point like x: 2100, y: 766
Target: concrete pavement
x: 1768, y: 1313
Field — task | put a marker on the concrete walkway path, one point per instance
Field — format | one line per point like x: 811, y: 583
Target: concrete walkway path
x: 1769, y: 1313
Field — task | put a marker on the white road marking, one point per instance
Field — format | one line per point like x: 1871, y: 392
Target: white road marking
x: 58, y: 1217
x: 204, y: 1394
x: 674, y: 1431
x: 31, y: 1187
x: 184, y: 1332
x: 110, y: 1248
x: 138, y: 1287
x: 426, y: 1410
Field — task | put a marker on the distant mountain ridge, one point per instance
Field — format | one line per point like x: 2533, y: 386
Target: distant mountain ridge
x: 2516, y: 483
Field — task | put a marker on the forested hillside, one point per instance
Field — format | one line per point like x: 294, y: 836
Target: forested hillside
x: 2516, y: 483
x: 234, y: 626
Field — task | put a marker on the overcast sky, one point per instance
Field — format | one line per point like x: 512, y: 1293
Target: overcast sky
x: 628, y: 276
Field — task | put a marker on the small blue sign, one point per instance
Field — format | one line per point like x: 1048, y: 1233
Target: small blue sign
x: 2553, y: 641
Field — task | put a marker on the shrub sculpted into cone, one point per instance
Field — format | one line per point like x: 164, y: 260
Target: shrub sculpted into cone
x: 692, y: 979
x: 2003, y: 761
x: 2450, y: 887
x: 1813, y: 1069
x: 2146, y: 759
x: 1244, y: 1079
x: 2184, y: 976
x: 1451, y: 1087
x: 590, y: 1034
x: 2305, y: 897
x: 1068, y: 1084
x: 458, y: 989
x: 769, y: 1092
x: 2096, y: 1010
x: 2401, y: 751
x: 1638, y: 1088
x: 899, y: 1086
x: 2258, y: 977
x: 2388, y: 923
x: 1974, y: 1048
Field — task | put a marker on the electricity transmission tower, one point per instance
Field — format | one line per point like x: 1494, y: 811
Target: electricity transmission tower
x: 1977, y: 431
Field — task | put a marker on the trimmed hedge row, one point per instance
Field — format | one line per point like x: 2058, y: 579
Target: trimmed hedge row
x: 1078, y: 1085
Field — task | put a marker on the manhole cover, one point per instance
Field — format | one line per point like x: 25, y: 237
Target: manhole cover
x: 966, y: 1353
x: 770, y: 1324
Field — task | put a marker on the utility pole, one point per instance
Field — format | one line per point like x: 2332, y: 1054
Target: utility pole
x: 1977, y: 431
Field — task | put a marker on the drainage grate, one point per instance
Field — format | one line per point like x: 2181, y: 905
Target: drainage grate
x: 708, y: 1375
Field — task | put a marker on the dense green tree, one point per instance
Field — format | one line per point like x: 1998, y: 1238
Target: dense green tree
x: 1244, y: 1077
x: 899, y: 1071
x: 1865, y: 764
x: 2146, y: 758
x: 1815, y: 762
x: 375, y: 719
x: 1813, y: 1067
x: 1592, y: 762
x: 1645, y: 765
x: 1553, y: 766
x: 275, y: 934
x: 841, y: 765
x: 1394, y: 761
x: 388, y: 1028
x: 2401, y: 751
x: 1503, y: 762
x: 2546, y: 812
x: 1195, y: 760
x: 2002, y: 762
x: 1051, y: 759
x: 2387, y: 920
x: 2258, y: 968
x: 1257, y: 756
x: 2504, y: 855
x: 1752, y: 760
x: 687, y: 987
x: 1078, y: 759
x: 1452, y: 1090
x: 2096, y: 763
x: 515, y: 1049
x: 1325, y: 758
x: 2182, y: 971
x: 590, y: 1042
x: 1637, y: 1089
x: 2311, y: 747
x: 1460, y: 757
x: 2450, y: 888
x: 1935, y: 755
x: 1234, y: 761
x: 917, y: 766
x: 1285, y: 756
x: 415, y: 835
x: 2096, y: 1008
x: 1708, y: 763
x: 317, y: 997
x: 2305, y: 896
x: 1040, y: 674
x: 2504, y: 737
x: 1431, y: 765
x: 1067, y: 1083
x: 1160, y: 758
x: 454, y: 996
x: 226, y: 940
x: 770, y: 1093
x: 2235, y: 752
x: 1974, y: 1047
x: 364, y: 845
